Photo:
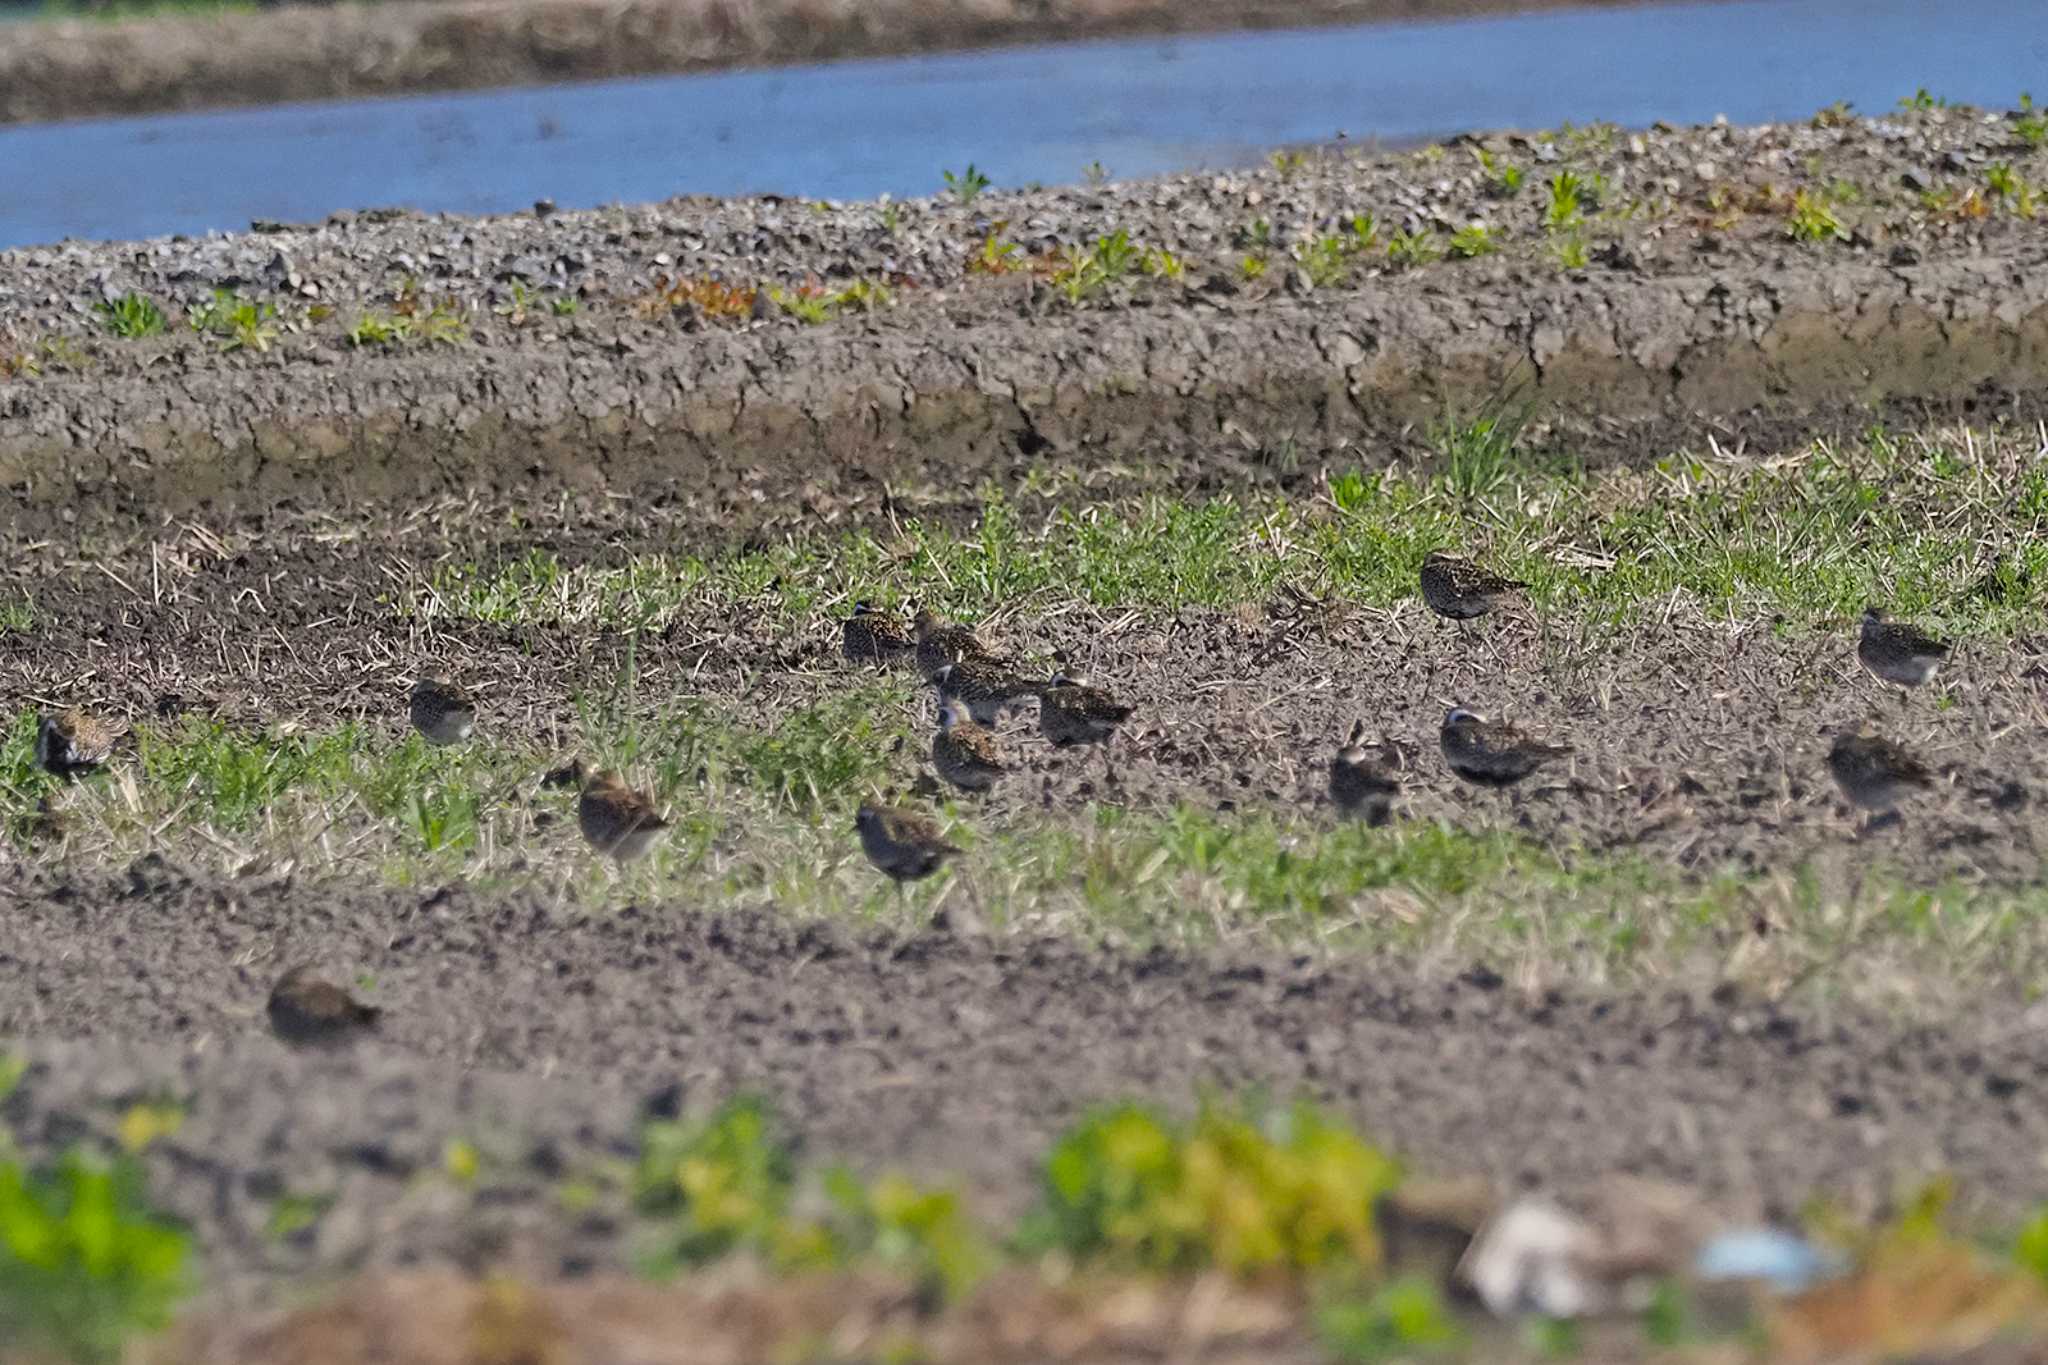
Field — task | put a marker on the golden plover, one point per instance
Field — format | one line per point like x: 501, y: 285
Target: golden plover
x: 1491, y: 753
x: 964, y: 753
x: 1873, y: 772
x: 939, y: 643
x: 74, y: 741
x: 902, y: 844
x: 873, y: 636
x: 985, y: 685
x: 1902, y: 655
x: 1459, y: 589
x: 306, y: 1011
x: 616, y: 819
x: 442, y: 712
x: 1361, y: 785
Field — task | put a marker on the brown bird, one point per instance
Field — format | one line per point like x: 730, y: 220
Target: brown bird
x: 939, y: 644
x: 308, y: 1012
x: 616, y: 819
x: 1071, y: 712
x: 1875, y: 773
x: 1359, y: 785
x: 1459, y: 589
x: 964, y: 753
x: 442, y: 712
x: 1489, y: 752
x: 872, y: 636
x: 984, y: 684
x: 900, y: 843
x: 1902, y: 655
x: 73, y: 741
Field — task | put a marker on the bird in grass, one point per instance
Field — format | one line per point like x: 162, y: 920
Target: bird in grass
x: 964, y: 753
x: 1902, y: 655
x: 940, y: 643
x: 616, y: 819
x: 1873, y: 772
x: 984, y: 685
x: 873, y: 636
x: 308, y: 1012
x: 902, y: 844
x: 75, y: 741
x: 442, y: 712
x: 1359, y: 784
x: 1492, y: 753
x: 1459, y: 590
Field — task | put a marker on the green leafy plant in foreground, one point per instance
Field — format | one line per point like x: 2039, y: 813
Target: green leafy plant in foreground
x: 966, y: 186
x: 84, y: 1263
x: 132, y: 315
x: 235, y: 323
x: 1240, y: 1190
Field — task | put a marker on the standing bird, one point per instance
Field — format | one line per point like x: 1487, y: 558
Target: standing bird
x: 1874, y: 773
x: 902, y: 844
x: 965, y: 753
x: 939, y: 643
x: 1359, y: 785
x: 1070, y: 712
x: 1902, y: 655
x: 308, y: 1012
x: 442, y: 712
x: 985, y: 685
x: 74, y: 742
x: 616, y: 819
x: 1459, y: 589
x: 872, y: 636
x: 1489, y: 752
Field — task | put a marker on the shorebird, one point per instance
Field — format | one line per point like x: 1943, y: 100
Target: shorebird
x: 1902, y: 655
x: 1460, y: 590
x: 1492, y: 753
x: 964, y: 753
x: 1359, y: 785
x: 985, y: 685
x: 1874, y: 773
x: 308, y: 1012
x: 939, y: 643
x: 1070, y: 712
x: 73, y: 741
x: 873, y: 636
x: 442, y: 712
x: 902, y: 844
x: 616, y: 819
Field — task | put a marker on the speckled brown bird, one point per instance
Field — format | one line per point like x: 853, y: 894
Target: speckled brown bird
x: 308, y: 1012
x: 616, y: 819
x: 902, y: 844
x: 984, y: 685
x: 940, y: 643
x: 964, y: 753
x: 442, y: 712
x: 873, y: 636
x: 1489, y: 752
x: 1873, y: 772
x: 74, y: 741
x: 1902, y: 655
x: 1457, y: 588
x: 1070, y: 712
x: 1360, y: 784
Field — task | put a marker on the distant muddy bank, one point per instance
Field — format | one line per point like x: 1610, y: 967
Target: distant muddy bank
x: 74, y: 68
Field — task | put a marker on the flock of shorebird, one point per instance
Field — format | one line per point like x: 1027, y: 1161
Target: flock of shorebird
x: 975, y: 685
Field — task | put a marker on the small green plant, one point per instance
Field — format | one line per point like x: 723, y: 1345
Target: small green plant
x: 1569, y: 250
x: 1289, y: 164
x: 19, y: 618
x: 291, y: 1214
x: 863, y: 296
x: 1162, y: 264
x: 1323, y: 260
x: 1921, y: 100
x: 805, y: 305
x: 1252, y: 267
x: 237, y: 324
x: 892, y: 218
x: 2002, y: 180
x: 994, y: 256
x: 1473, y: 240
x: 1399, y: 1321
x: 1258, y: 233
x: 378, y: 329
x: 1365, y: 234
x: 1113, y: 256
x: 1503, y: 179
x: 2029, y: 126
x: 564, y: 305
x: 1567, y: 207
x: 84, y: 1263
x: 1408, y: 249
x: 1811, y: 220
x: 1095, y: 173
x: 1242, y: 1191
x: 132, y: 315
x: 966, y: 186
x: 1840, y: 114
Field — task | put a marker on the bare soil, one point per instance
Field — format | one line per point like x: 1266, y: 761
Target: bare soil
x: 81, y: 68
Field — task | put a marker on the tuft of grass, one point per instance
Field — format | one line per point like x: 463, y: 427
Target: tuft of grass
x: 1566, y: 208
x: 1408, y: 249
x: 1569, y: 251
x: 235, y: 323
x: 18, y: 618
x: 131, y: 316
x: 967, y: 186
x: 1474, y: 240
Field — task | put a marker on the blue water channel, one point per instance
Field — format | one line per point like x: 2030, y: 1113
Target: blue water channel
x: 857, y: 129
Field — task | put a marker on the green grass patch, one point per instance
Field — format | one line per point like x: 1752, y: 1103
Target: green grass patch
x: 1937, y: 526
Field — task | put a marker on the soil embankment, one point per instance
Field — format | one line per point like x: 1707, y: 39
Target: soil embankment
x: 81, y: 68
x: 1736, y: 284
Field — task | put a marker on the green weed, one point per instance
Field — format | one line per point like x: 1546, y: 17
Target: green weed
x: 1406, y: 250
x: 1398, y: 1321
x: 1503, y: 180
x: 2029, y: 126
x: 967, y: 186
x: 1569, y: 250
x: 1289, y: 164
x: 1325, y: 260
x: 235, y: 323
x: 1473, y: 240
x: 1811, y: 220
x: 1921, y: 100
x: 132, y: 315
x: 18, y: 618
